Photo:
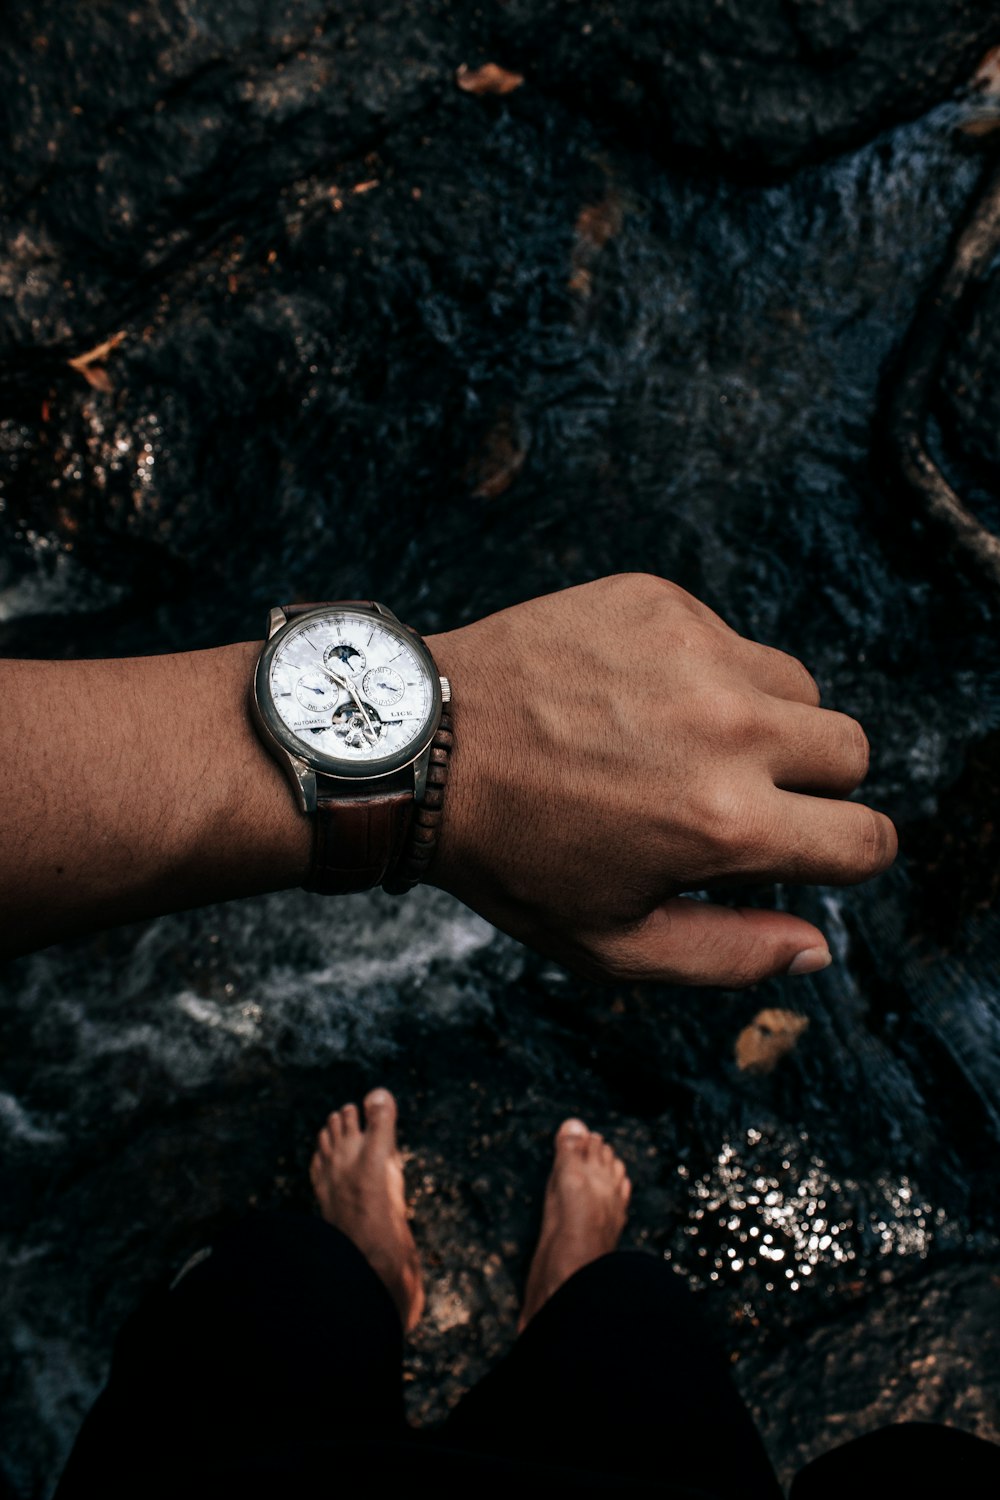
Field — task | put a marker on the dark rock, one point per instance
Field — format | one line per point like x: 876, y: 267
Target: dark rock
x: 387, y: 336
x: 968, y: 401
x: 761, y: 85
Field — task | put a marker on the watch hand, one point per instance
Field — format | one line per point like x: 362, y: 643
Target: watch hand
x: 343, y: 682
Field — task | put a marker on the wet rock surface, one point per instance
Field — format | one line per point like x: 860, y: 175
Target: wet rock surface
x: 969, y: 405
x: 387, y: 336
x: 764, y: 86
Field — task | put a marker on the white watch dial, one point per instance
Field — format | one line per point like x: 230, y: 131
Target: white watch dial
x: 352, y: 686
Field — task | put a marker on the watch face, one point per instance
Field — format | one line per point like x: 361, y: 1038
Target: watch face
x: 352, y: 693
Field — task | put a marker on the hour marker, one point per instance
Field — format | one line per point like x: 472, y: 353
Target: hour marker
x: 398, y: 653
x: 371, y: 637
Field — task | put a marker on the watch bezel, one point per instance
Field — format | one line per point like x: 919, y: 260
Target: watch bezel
x: 271, y: 722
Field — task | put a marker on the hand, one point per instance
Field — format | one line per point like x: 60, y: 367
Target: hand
x: 618, y: 744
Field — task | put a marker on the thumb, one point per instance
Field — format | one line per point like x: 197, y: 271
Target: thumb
x: 692, y: 942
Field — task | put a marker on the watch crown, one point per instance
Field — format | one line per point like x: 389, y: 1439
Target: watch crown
x: 445, y: 690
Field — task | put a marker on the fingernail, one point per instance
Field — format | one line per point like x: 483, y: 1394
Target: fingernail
x: 810, y: 961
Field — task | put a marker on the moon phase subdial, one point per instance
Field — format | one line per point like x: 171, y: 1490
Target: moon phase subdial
x: 345, y: 655
x: 383, y: 686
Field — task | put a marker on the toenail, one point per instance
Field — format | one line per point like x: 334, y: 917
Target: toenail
x: 377, y: 1098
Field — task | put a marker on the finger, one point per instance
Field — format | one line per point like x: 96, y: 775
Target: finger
x: 822, y: 841
x: 692, y: 942
x: 816, y: 750
x: 776, y: 673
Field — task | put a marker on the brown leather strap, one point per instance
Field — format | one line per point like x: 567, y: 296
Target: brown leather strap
x: 359, y: 836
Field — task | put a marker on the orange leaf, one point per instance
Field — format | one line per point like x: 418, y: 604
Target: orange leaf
x: 489, y: 79
x: 769, y: 1037
x: 95, y: 355
x: 98, y: 377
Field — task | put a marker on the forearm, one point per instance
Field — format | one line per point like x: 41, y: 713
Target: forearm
x: 136, y: 787
x: 615, y: 746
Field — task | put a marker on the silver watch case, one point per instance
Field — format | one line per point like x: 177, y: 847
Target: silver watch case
x: 302, y: 767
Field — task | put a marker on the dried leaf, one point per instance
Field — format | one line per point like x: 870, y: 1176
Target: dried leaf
x: 95, y: 355
x: 98, y: 377
x: 596, y: 224
x: 499, y: 462
x: 769, y: 1037
x: 365, y: 187
x: 981, y: 125
x: 489, y: 79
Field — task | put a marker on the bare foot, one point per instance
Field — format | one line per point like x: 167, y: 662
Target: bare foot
x: 586, y: 1205
x: 357, y: 1176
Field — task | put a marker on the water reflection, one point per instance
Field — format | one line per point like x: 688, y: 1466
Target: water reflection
x: 779, y: 1224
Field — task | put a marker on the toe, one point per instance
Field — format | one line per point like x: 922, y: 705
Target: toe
x: 324, y: 1141
x: 334, y: 1126
x: 380, y: 1117
x: 571, y: 1132
x: 349, y: 1118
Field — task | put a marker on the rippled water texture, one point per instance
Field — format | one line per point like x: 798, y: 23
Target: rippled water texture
x: 384, y: 337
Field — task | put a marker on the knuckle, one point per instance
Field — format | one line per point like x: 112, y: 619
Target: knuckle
x: 654, y: 595
x: 809, y: 683
x: 641, y: 586
x: 738, y: 718
x: 726, y: 819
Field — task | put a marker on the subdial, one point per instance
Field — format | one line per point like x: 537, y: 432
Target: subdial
x: 384, y: 686
x: 316, y: 693
x: 347, y: 656
x: 350, y: 726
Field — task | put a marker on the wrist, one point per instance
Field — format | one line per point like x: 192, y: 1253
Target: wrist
x: 268, y: 842
x: 469, y: 826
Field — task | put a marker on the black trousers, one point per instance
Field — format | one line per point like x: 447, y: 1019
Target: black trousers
x: 274, y: 1367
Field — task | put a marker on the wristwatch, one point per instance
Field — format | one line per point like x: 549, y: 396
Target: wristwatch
x: 349, y: 701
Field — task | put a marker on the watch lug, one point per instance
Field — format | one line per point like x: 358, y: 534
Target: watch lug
x: 303, y: 779
x: 276, y: 620
x: 386, y: 613
x: 420, y: 768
